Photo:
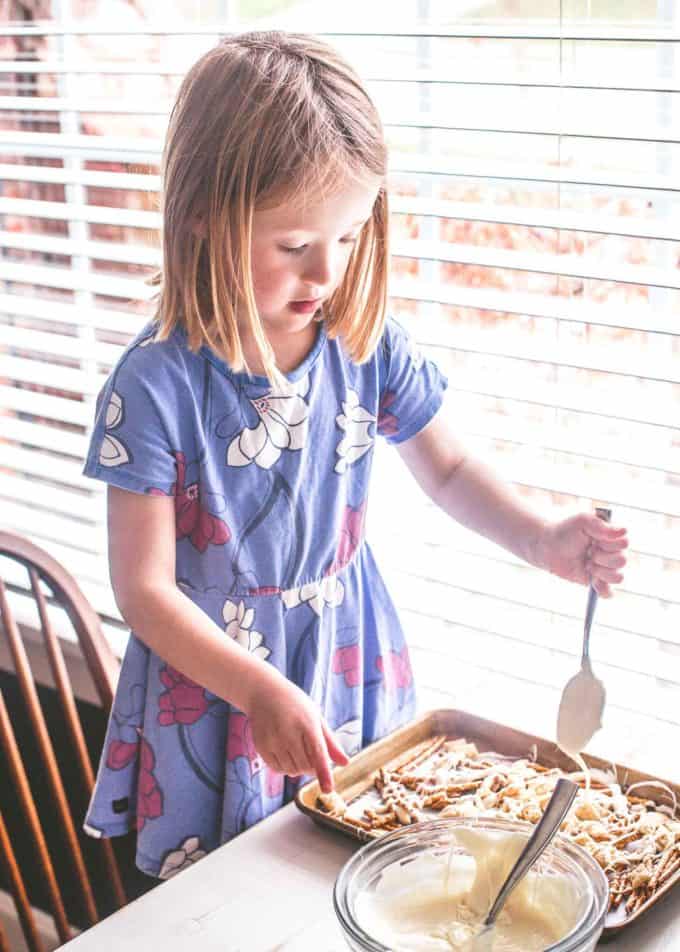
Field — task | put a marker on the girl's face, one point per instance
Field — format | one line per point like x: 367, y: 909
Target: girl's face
x: 300, y: 253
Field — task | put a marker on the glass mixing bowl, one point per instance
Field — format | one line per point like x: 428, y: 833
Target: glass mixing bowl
x: 363, y: 871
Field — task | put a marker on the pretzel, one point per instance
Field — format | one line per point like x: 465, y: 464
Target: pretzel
x: 451, y: 778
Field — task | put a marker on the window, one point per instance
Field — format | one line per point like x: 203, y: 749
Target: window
x: 535, y: 156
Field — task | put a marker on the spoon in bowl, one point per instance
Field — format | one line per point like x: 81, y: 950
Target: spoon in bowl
x: 557, y: 808
x: 582, y: 703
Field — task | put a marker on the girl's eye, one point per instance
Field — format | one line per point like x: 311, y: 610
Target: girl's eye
x: 350, y: 241
x: 293, y: 251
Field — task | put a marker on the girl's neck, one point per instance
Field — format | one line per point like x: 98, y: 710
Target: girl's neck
x: 289, y: 349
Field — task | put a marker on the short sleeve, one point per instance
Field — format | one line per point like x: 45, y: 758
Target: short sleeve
x: 412, y: 387
x: 136, y: 436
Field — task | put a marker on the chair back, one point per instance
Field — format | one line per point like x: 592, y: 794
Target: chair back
x: 38, y: 595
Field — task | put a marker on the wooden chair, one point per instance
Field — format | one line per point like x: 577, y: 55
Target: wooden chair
x: 50, y: 586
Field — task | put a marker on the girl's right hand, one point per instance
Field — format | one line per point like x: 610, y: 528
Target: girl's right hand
x: 290, y: 733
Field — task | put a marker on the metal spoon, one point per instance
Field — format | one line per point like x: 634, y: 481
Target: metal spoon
x: 556, y: 810
x: 582, y: 701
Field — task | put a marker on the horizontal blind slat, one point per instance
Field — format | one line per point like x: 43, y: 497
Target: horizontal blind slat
x: 649, y: 450
x: 629, y: 618
x: 69, y: 211
x: 498, y: 124
x: 136, y: 150
x: 511, y: 378
x: 40, y: 435
x: 44, y: 405
x: 60, y: 378
x: 41, y: 496
x: 564, y: 265
x: 25, y: 305
x: 573, y: 309
x: 506, y: 214
x: 75, y: 280
x: 83, y: 538
x: 48, y: 467
x: 98, y: 250
x: 511, y: 171
x: 548, y: 28
x: 602, y: 358
x: 62, y: 345
x: 644, y: 579
x: 479, y: 121
x: 79, y: 176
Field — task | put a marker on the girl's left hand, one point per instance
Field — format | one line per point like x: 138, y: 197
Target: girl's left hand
x: 584, y: 549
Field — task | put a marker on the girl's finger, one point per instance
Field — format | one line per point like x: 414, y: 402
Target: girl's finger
x: 602, y: 588
x: 598, y: 572
x: 603, y: 531
x: 274, y: 762
x: 608, y: 560
x: 618, y: 545
x: 320, y: 764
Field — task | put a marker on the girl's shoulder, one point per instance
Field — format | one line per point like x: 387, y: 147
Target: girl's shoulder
x: 153, y: 363
x: 397, y: 346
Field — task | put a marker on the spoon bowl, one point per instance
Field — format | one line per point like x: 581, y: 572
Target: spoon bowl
x: 585, y: 695
x: 582, y: 703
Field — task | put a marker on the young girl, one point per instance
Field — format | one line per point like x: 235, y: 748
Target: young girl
x: 236, y: 435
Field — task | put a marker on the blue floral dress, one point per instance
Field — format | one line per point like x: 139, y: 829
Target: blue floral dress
x: 270, y: 488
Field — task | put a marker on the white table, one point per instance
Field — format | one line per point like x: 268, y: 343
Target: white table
x: 270, y: 890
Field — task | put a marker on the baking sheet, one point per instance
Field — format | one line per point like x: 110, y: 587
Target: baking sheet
x: 356, y: 779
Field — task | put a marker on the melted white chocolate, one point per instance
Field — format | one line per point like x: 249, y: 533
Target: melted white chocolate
x: 580, y: 713
x: 437, y: 904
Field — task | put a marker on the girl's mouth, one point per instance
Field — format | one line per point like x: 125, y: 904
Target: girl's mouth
x: 305, y: 307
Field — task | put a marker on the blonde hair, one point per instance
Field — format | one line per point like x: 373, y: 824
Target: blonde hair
x: 258, y: 120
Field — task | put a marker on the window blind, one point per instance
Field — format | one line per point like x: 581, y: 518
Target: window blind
x: 535, y: 151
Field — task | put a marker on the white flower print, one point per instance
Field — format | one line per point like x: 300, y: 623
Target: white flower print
x: 328, y: 592
x: 283, y: 425
x: 188, y: 853
x: 112, y: 452
x: 349, y: 736
x: 238, y: 621
x: 356, y: 423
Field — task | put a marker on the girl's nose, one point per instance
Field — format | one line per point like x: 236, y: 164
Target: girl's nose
x: 319, y: 269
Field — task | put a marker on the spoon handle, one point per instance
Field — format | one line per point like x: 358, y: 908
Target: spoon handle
x: 556, y: 810
x: 605, y: 515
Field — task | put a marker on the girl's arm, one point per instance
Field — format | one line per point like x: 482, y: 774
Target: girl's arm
x: 288, y: 730
x: 581, y: 548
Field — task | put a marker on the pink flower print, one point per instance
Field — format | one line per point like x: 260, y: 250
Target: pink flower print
x: 120, y: 754
x: 183, y: 703
x: 202, y: 528
x: 265, y: 590
x: 273, y: 782
x: 149, y: 794
x: 351, y: 532
x: 396, y: 668
x: 240, y: 743
x: 388, y: 424
x: 347, y: 661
